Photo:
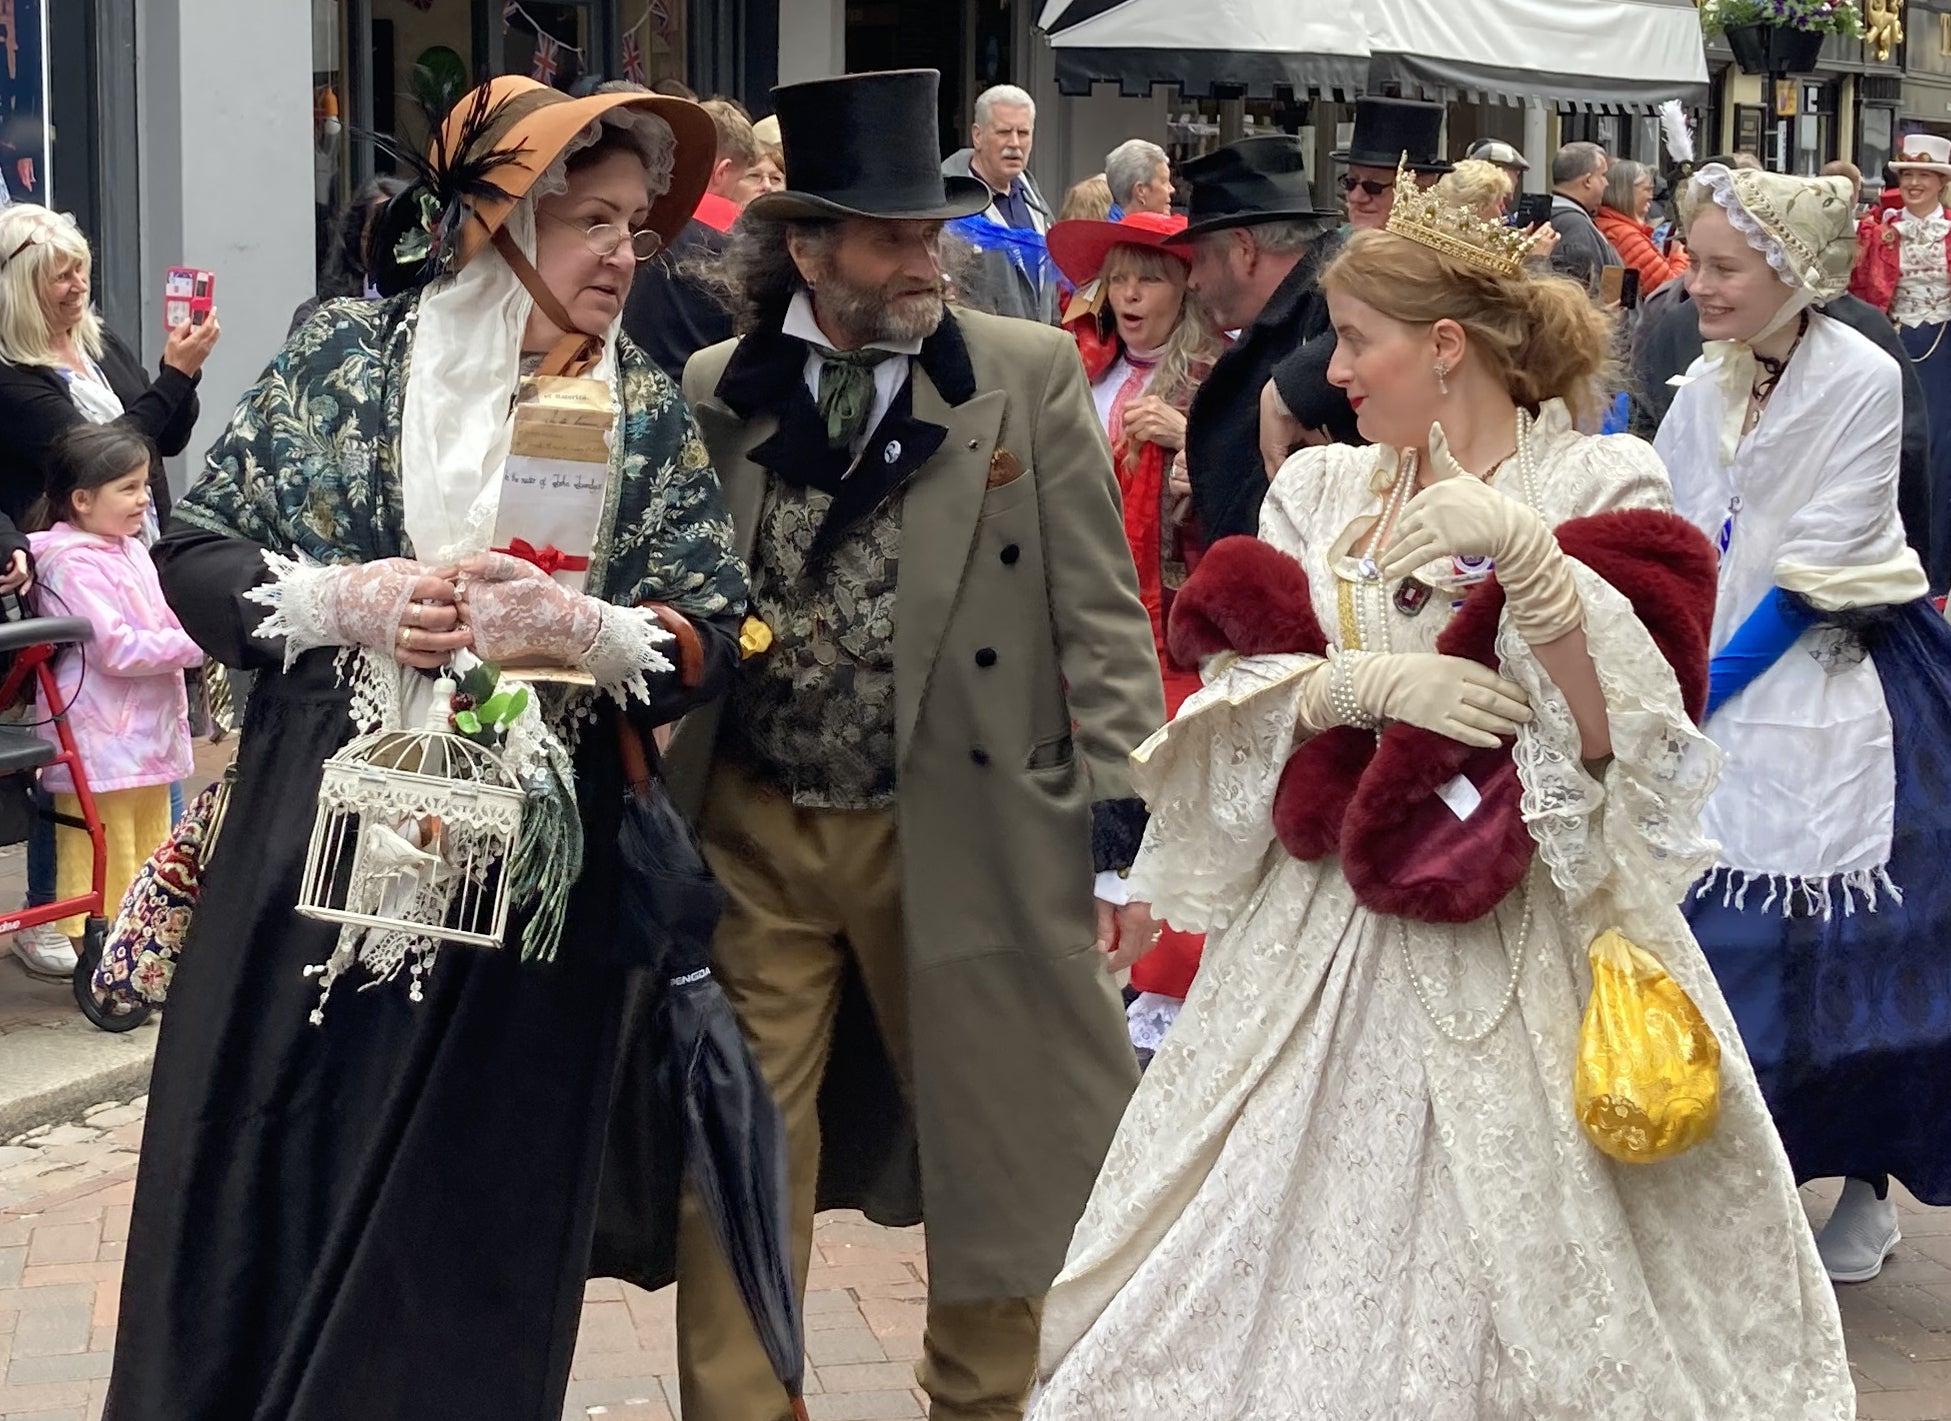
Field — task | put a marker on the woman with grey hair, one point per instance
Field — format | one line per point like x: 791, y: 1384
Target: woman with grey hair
x: 333, y: 1177
x: 1622, y: 221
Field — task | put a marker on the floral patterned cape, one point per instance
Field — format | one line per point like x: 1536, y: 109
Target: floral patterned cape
x: 309, y: 465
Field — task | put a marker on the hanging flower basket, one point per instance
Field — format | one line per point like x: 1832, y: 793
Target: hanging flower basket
x: 1780, y: 36
x: 1774, y: 49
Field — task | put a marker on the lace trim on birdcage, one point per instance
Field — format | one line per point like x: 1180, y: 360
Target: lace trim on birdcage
x: 295, y: 603
x: 539, y: 753
x: 626, y: 646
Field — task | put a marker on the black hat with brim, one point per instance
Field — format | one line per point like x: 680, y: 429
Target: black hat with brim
x: 864, y: 145
x: 1387, y: 129
x: 1245, y: 184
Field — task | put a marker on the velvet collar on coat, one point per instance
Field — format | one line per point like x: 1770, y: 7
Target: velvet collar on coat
x: 766, y: 373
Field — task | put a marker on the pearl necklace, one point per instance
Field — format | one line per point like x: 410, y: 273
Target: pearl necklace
x: 1448, y: 1024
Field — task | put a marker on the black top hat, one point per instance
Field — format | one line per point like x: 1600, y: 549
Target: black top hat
x: 1385, y: 129
x: 864, y: 145
x: 1252, y: 181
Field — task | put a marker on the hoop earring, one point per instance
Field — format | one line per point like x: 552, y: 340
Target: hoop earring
x: 1442, y: 378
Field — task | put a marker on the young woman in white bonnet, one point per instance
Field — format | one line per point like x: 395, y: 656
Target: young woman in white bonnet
x: 369, y: 1192
x: 1826, y: 917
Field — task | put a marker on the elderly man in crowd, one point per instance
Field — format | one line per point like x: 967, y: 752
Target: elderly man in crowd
x: 1578, y: 182
x: 1004, y: 280
x: 1140, y: 176
x: 909, y: 796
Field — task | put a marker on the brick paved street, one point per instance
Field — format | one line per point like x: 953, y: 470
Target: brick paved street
x: 61, y: 1262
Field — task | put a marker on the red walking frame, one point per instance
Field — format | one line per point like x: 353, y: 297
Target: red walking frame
x: 33, y: 644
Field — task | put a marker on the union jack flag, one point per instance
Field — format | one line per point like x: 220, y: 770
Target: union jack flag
x: 508, y: 12
x: 633, y: 59
x: 548, y: 59
x: 660, y: 16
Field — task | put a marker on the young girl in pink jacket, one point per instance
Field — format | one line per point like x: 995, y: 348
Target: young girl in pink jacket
x: 123, y: 691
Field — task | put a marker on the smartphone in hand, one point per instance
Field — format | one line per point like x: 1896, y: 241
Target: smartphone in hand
x: 189, y: 294
x: 1533, y: 210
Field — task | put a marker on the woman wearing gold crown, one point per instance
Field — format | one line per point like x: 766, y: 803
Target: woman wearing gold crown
x: 1446, y: 742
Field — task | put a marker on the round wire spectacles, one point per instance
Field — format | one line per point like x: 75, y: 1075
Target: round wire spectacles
x: 605, y: 237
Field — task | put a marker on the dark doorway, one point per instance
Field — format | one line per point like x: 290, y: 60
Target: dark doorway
x: 921, y: 34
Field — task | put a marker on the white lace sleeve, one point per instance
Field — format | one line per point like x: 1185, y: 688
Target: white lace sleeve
x: 297, y: 602
x: 626, y: 647
x: 1636, y: 835
x: 1209, y: 779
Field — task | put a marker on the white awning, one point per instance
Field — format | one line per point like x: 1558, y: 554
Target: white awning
x: 1580, y: 53
x: 1300, y: 45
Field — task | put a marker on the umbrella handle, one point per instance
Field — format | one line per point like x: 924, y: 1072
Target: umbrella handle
x: 799, y: 1409
x: 690, y: 648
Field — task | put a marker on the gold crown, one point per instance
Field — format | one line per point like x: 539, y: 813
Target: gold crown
x: 1456, y: 232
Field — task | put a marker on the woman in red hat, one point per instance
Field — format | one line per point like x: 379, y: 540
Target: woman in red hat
x: 1147, y: 344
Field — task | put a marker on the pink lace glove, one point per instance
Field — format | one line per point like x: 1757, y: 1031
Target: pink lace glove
x: 518, y: 612
x: 398, y: 606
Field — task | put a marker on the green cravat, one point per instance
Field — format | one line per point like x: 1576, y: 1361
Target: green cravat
x: 847, y: 391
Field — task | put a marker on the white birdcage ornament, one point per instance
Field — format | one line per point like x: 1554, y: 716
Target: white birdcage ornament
x: 412, y: 846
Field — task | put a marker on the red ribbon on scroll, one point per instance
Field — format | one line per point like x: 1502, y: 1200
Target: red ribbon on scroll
x: 550, y: 559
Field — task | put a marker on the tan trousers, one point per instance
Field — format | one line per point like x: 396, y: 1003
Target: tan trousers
x: 809, y: 891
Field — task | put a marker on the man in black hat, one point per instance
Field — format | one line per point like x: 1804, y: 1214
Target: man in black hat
x: 1258, y: 244
x: 1388, y: 133
x: 908, y: 794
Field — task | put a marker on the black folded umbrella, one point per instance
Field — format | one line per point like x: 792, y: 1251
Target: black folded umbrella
x: 734, y: 1142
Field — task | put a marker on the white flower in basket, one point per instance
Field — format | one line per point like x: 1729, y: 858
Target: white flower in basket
x: 412, y: 846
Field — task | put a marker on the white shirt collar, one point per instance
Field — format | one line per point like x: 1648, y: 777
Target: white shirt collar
x: 800, y: 325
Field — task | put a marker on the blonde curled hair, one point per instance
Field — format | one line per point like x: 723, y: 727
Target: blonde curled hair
x: 35, y: 244
x: 1194, y: 343
x: 1482, y: 187
x: 1540, y: 335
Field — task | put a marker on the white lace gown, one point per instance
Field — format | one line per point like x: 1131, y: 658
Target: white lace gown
x: 1318, y: 1206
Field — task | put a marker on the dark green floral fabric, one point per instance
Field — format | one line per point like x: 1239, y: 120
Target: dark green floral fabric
x: 815, y: 715
x: 309, y: 464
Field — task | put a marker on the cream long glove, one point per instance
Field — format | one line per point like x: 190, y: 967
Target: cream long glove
x: 1450, y: 695
x: 1462, y: 516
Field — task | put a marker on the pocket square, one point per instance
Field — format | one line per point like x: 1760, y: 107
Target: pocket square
x: 1004, y: 467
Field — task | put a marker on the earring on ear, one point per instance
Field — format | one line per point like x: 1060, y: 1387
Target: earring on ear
x: 1442, y: 377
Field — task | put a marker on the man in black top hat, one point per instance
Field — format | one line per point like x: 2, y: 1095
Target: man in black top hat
x: 908, y: 794
x: 1258, y: 244
x: 1388, y: 133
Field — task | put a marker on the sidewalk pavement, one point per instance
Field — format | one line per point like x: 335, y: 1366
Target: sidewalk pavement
x: 53, y: 1063
x: 61, y: 1265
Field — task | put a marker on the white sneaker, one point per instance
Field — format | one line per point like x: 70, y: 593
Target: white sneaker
x: 45, y: 951
x: 1859, y: 1235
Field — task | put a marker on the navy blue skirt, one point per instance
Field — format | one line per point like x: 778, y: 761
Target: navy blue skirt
x: 1847, y: 1017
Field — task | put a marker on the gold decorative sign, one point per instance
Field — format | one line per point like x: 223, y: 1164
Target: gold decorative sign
x: 1883, y: 28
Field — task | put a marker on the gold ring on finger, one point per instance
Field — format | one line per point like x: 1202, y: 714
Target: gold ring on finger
x: 406, y: 636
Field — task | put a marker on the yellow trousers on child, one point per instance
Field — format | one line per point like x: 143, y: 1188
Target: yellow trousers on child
x: 136, y: 822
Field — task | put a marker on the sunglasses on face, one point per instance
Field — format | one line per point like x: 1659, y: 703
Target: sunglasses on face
x: 1367, y: 185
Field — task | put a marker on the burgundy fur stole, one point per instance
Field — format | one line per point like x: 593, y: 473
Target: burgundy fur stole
x: 1375, y: 802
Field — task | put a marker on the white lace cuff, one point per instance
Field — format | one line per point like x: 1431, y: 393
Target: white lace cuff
x: 626, y: 647
x: 1636, y: 835
x: 296, y: 605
